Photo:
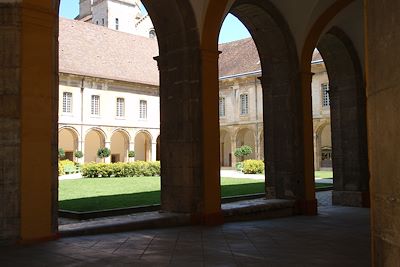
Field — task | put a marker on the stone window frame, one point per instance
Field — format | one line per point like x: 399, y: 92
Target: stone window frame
x: 222, y: 106
x: 95, y: 105
x: 120, y: 107
x: 244, y: 104
x: 67, y: 102
x: 143, y: 109
x: 325, y: 95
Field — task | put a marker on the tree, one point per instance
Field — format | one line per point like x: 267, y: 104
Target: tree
x: 243, y: 151
x: 78, y: 154
x: 103, y: 152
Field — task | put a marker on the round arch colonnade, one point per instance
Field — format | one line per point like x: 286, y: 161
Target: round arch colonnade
x: 189, y: 128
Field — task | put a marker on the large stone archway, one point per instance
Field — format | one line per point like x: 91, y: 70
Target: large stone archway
x: 68, y: 140
x: 225, y: 148
x: 143, y: 146
x: 348, y: 119
x: 119, y: 146
x: 246, y: 137
x: 189, y: 158
x: 281, y: 99
x: 94, y: 140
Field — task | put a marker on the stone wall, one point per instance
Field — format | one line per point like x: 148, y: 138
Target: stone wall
x: 9, y: 122
x: 383, y: 98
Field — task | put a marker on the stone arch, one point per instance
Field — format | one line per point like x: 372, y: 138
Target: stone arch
x: 181, y: 109
x: 68, y: 138
x: 246, y: 136
x: 348, y: 118
x: 119, y: 145
x: 261, y: 145
x: 323, y: 143
x: 226, y: 152
x: 281, y: 97
x: 143, y: 146
x: 94, y: 139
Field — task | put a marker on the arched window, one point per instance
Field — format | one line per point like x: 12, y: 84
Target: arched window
x: 152, y: 33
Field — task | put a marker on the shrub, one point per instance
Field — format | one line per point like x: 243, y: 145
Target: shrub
x: 243, y: 151
x: 62, y: 164
x: 61, y: 153
x: 252, y: 166
x: 78, y: 154
x: 239, y: 166
x: 103, y: 152
x: 120, y: 169
x: 131, y: 154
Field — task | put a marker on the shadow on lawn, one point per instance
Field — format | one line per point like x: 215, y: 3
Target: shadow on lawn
x: 145, y: 198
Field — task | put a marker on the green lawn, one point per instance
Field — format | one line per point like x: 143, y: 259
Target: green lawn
x: 323, y: 174
x: 107, y: 193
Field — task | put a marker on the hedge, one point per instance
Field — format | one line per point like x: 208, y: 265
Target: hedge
x: 120, y: 169
x: 252, y: 166
x: 62, y: 164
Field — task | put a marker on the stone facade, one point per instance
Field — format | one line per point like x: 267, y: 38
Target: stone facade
x: 128, y: 118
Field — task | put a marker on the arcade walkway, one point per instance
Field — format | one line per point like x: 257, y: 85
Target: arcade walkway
x: 338, y: 236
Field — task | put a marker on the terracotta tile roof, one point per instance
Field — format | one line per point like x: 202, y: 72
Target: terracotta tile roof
x: 238, y: 57
x: 91, y: 50
x: 96, y: 51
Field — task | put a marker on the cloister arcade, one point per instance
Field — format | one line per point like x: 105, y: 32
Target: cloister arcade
x: 360, y: 68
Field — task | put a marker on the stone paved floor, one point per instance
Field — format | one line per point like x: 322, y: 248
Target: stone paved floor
x: 338, y: 236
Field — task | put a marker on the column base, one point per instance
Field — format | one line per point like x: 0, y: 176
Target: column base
x: 351, y: 198
x: 307, y: 207
x: 209, y: 219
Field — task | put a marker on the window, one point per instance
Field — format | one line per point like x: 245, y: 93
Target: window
x: 143, y: 109
x: 222, y: 106
x: 325, y: 95
x: 120, y: 107
x: 152, y: 33
x: 117, y: 24
x: 244, y: 104
x: 67, y: 102
x: 95, y: 105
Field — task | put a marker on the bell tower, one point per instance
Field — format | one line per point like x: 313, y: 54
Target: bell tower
x: 120, y: 15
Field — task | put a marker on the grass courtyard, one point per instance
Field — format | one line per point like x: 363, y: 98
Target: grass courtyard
x: 108, y: 193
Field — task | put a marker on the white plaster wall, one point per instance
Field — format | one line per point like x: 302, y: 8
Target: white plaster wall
x: 144, y: 26
x: 318, y: 79
x: 99, y: 12
x: 126, y: 14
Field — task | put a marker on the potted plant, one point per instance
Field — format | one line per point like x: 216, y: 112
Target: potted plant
x: 131, y: 155
x: 103, y: 152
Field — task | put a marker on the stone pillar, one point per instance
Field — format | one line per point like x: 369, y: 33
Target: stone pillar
x: 131, y: 148
x: 382, y: 29
x: 153, y: 151
x: 317, y: 152
x: 81, y: 147
x: 189, y: 154
x: 283, y: 142
x: 28, y: 122
x: 107, y: 144
x: 233, y: 147
x: 348, y: 119
x: 10, y: 122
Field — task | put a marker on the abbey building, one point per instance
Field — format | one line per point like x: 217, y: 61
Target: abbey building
x: 109, y: 90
